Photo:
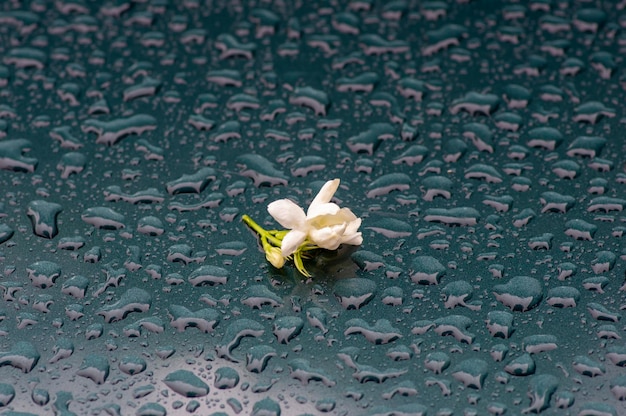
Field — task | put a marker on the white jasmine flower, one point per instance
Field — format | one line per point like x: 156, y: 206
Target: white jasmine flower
x: 325, y: 224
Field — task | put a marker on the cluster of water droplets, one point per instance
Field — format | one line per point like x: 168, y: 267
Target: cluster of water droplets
x: 479, y: 141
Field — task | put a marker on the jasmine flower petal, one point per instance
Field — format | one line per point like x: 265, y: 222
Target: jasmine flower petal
x: 292, y: 240
x: 287, y: 213
x: 325, y: 194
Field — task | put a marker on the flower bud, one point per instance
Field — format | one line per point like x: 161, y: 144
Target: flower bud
x: 274, y: 256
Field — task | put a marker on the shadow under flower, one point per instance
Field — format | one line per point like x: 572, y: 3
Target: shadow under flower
x: 325, y: 266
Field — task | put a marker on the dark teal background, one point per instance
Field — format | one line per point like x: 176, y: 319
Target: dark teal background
x: 481, y: 142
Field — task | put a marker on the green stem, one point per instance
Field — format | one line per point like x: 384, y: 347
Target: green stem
x: 250, y: 223
x: 307, y: 246
x: 280, y: 234
x: 261, y: 231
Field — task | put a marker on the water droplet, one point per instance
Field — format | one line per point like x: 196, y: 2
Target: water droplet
x: 208, y: 275
x: 261, y: 170
x: 110, y: 132
x: 521, y: 293
x: 233, y: 334
x: 354, y: 293
x: 523, y: 365
x: 132, y: 365
x: 538, y: 343
x: 541, y: 388
x: 104, y: 218
x: 132, y: 300
x: 437, y: 362
x: 286, y: 328
x: 182, y: 318
x: 7, y: 394
x: 43, y: 216
x: 149, y: 409
x: 40, y: 396
x: 267, y: 407
x: 382, y: 332
x: 426, y: 270
x: 94, y: 367
x: 186, y: 384
x: 471, y: 372
x: 12, y: 156
x: 226, y: 378
x: 301, y: 370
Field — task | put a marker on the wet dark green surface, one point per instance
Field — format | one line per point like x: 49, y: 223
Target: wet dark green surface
x: 481, y: 143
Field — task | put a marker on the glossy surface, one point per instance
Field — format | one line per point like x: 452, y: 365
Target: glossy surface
x: 481, y: 142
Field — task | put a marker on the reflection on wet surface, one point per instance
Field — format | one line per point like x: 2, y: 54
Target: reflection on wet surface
x: 479, y: 141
